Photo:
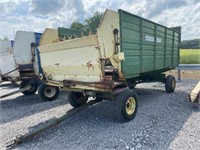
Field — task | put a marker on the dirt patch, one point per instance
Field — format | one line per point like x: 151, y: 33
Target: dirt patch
x: 185, y: 74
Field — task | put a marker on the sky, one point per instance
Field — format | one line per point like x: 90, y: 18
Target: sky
x: 36, y: 15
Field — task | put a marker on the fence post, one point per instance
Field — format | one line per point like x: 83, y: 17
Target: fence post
x: 179, y: 73
x: 186, y: 67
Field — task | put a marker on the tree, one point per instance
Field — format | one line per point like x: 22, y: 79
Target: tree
x: 90, y: 24
x: 190, y: 44
x: 77, y: 25
x: 6, y: 38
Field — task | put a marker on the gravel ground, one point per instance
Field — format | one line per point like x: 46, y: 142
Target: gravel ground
x: 163, y: 121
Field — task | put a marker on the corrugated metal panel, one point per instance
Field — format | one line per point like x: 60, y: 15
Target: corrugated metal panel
x: 147, y: 46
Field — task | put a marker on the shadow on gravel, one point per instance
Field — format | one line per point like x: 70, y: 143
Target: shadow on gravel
x: 28, y: 105
x: 195, y: 107
x: 159, y: 119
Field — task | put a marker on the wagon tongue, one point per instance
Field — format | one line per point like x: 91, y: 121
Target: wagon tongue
x: 47, y: 125
x: 194, y: 95
x: 26, y: 88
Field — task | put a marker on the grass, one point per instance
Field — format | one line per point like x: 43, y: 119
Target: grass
x: 190, y: 56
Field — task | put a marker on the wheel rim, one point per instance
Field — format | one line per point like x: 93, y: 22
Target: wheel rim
x: 32, y: 88
x: 173, y: 84
x: 50, y: 91
x: 130, y: 105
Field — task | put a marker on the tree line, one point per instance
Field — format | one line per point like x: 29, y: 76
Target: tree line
x: 91, y: 24
x: 190, y: 44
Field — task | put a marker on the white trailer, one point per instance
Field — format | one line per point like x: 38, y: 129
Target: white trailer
x: 8, y: 65
x: 24, y: 58
x: 27, y: 58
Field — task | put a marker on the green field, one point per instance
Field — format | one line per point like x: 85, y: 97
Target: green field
x: 190, y: 56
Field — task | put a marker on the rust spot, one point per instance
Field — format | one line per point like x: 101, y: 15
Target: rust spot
x: 98, y: 60
x: 89, y: 65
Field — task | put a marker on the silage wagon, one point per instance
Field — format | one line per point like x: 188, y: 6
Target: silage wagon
x: 126, y: 50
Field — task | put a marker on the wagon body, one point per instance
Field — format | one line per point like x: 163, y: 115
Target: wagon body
x: 61, y: 34
x: 7, y: 62
x: 26, y: 54
x: 49, y: 36
x: 151, y: 46
x: 126, y: 49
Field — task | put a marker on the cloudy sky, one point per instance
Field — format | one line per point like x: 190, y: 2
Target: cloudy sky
x: 36, y: 15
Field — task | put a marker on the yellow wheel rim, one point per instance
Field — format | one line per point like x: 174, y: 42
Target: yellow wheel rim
x: 130, y: 105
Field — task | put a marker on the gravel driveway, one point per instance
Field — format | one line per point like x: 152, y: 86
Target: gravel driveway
x: 164, y: 121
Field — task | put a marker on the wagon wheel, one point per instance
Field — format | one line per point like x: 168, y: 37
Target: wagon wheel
x: 126, y: 104
x: 77, y: 99
x: 32, y: 90
x: 48, y: 93
x: 170, y: 84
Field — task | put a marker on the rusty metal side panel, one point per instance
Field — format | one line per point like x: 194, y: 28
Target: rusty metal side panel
x: 109, y: 22
x: 73, y: 60
x: 106, y: 39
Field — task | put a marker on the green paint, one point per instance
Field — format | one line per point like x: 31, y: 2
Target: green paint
x: 65, y: 33
x: 147, y: 46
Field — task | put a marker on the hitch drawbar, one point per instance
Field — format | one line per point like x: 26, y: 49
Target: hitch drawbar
x: 51, y: 123
x: 26, y: 88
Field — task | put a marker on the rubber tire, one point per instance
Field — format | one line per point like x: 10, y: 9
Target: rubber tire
x: 120, y: 105
x: 77, y: 99
x: 42, y: 92
x: 168, y: 84
x: 32, y: 90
